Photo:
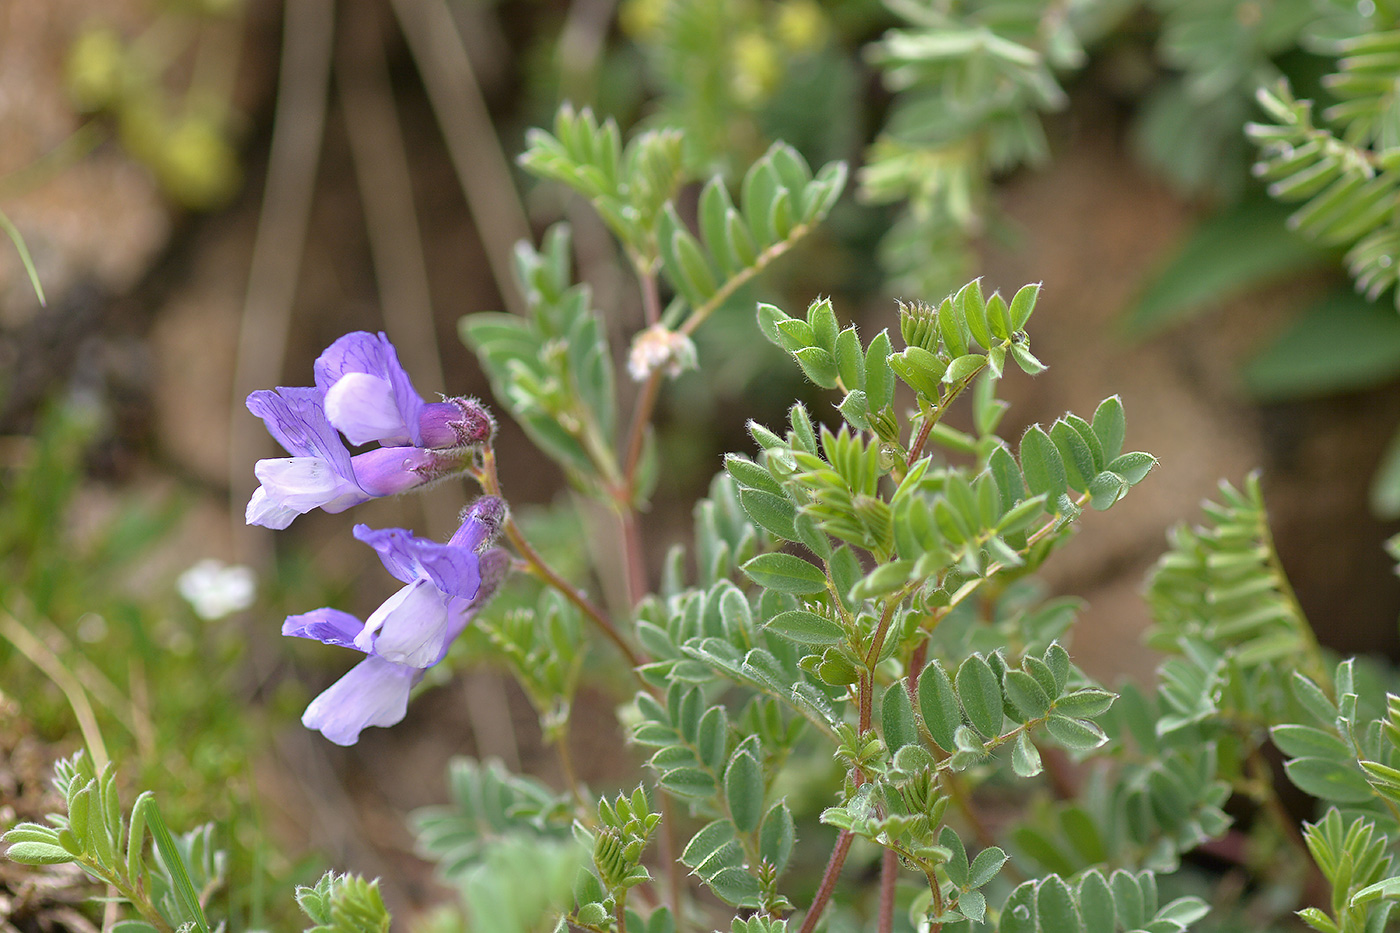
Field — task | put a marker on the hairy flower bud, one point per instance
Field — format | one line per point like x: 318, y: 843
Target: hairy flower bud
x: 456, y: 422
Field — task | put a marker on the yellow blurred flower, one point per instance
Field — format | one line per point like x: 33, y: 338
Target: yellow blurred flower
x: 800, y: 25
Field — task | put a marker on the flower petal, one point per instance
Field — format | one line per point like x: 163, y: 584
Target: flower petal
x: 373, y: 693
x: 328, y: 626
x: 362, y: 407
x: 296, y: 417
x: 265, y: 511
x: 306, y: 483
x: 451, y: 568
x: 409, y: 628
x: 362, y: 352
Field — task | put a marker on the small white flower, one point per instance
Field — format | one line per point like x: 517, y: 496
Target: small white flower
x: 215, y: 589
x: 659, y: 348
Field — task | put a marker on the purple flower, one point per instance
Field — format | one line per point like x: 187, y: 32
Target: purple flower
x: 412, y: 630
x: 321, y: 473
x: 369, y: 397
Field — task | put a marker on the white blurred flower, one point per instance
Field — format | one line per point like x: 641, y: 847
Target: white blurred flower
x: 215, y: 589
x: 659, y: 348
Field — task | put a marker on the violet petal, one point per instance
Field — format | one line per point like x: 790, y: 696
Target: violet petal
x: 372, y: 693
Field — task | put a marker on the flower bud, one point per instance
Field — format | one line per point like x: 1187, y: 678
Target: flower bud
x: 658, y: 347
x: 482, y: 521
x: 388, y: 471
x: 456, y: 422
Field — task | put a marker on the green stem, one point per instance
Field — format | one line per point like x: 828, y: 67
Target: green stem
x: 935, y: 413
x: 721, y: 295
x: 620, y: 900
x: 132, y: 894
x: 995, y: 567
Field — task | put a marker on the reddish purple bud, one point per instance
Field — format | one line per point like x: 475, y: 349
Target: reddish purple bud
x: 456, y: 422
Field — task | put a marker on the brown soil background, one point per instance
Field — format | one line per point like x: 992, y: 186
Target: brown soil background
x: 146, y: 307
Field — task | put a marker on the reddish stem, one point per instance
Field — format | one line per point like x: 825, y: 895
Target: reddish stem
x: 828, y: 882
x: 889, y: 872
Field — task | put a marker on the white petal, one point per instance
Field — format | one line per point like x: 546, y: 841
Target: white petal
x: 409, y: 628
x: 262, y: 510
x: 362, y: 407
x: 306, y: 483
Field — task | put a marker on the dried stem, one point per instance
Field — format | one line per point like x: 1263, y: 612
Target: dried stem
x: 41, y: 657
x: 483, y: 171
x: 297, y: 126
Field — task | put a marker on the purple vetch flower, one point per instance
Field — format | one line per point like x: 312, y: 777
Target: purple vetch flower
x: 375, y: 691
x: 412, y: 630
x: 318, y: 474
x: 321, y: 473
x: 369, y: 397
x: 411, y: 626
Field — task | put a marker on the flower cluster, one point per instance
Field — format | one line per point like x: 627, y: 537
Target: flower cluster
x: 363, y: 393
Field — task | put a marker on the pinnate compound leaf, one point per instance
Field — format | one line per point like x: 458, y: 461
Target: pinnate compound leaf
x: 1023, y: 304
x: 1078, y: 459
x: 38, y: 853
x: 1018, y: 914
x: 1054, y: 905
x: 1388, y: 888
x: 1132, y: 466
x: 1026, y: 694
x: 774, y: 514
x: 1183, y: 910
x: 897, y: 718
x: 1096, y: 903
x: 1298, y: 741
x: 735, y: 887
x: 1088, y: 703
x: 1310, y: 696
x: 985, y: 866
x: 1025, y: 757
x: 1110, y: 426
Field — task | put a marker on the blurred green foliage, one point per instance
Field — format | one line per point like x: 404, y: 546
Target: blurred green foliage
x: 83, y: 594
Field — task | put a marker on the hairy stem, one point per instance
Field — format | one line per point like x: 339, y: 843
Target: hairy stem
x: 637, y: 433
x: 670, y: 855
x: 491, y: 484
x: 621, y: 912
x: 935, y: 414
x: 828, y: 882
x: 697, y: 317
x: 889, y: 873
x: 636, y: 556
